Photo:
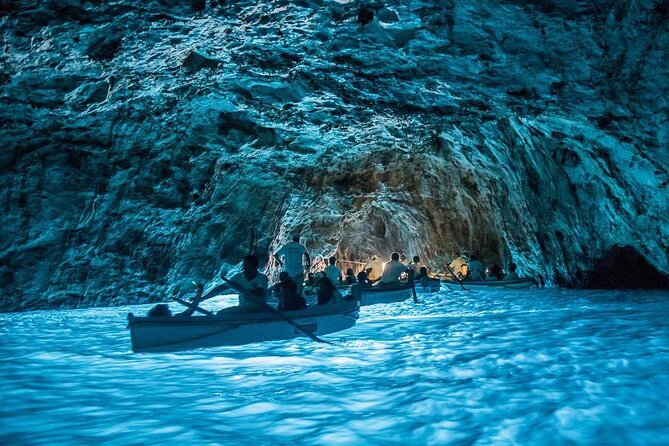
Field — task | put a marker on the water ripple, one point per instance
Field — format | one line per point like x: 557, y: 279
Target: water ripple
x: 537, y: 367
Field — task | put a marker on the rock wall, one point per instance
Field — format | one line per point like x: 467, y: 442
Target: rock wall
x: 147, y: 144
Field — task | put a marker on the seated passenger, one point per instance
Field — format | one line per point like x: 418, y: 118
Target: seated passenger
x: 160, y: 310
x: 416, y: 265
x: 457, y: 263
x: 362, y: 283
x: 512, y: 272
x: 476, y: 269
x: 251, y: 285
x: 333, y: 272
x: 289, y: 299
x: 326, y: 291
x: 350, y: 277
x: 374, y: 269
x: 276, y: 289
x: 404, y: 260
x: 463, y: 274
x: 392, y: 271
x: 495, y: 272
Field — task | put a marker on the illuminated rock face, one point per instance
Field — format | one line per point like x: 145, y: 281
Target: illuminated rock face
x: 147, y: 143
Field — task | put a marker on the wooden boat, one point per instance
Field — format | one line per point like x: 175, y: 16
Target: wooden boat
x: 383, y: 295
x: 518, y: 284
x: 168, y: 334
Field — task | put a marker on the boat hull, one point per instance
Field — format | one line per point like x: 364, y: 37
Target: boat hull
x: 378, y: 295
x: 427, y: 286
x: 520, y: 284
x: 169, y: 334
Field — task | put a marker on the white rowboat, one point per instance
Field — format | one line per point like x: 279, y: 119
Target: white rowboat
x: 519, y: 284
x: 168, y: 334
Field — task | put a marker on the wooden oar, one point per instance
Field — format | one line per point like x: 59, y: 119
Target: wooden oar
x: 190, y: 304
x: 193, y: 305
x: 456, y: 277
x: 413, y: 285
x: 271, y: 309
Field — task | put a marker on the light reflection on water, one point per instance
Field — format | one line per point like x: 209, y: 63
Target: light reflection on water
x: 539, y: 367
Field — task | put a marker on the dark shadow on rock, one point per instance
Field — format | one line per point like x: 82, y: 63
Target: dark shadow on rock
x: 622, y: 267
x: 196, y: 61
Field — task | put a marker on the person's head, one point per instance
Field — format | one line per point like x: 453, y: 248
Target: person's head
x: 284, y: 276
x: 402, y: 257
x: 473, y: 257
x: 288, y: 288
x: 463, y: 269
x: 362, y: 277
x: 333, y: 260
x: 512, y: 267
x: 368, y: 271
x: 349, y: 272
x: 395, y: 256
x: 423, y: 271
x: 325, y: 284
x: 250, y: 263
x: 416, y: 259
x: 296, y: 238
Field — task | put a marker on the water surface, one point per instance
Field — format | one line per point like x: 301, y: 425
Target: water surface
x: 540, y: 367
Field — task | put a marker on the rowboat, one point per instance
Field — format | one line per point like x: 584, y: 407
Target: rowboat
x: 169, y: 334
x: 383, y: 295
x: 518, y: 284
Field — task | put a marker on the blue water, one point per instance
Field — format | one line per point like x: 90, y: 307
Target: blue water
x: 540, y: 367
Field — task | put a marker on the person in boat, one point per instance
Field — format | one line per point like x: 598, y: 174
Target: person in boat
x: 292, y: 254
x: 289, y: 300
x: 456, y: 264
x: 392, y: 271
x: 404, y: 260
x: 416, y: 265
x: 362, y: 283
x: 251, y: 284
x: 333, y: 272
x: 476, y: 269
x: 423, y: 278
x: 376, y: 269
x: 495, y: 272
x: 310, y: 284
x: 161, y: 310
x: 326, y: 292
x: 512, y: 272
x: 276, y: 289
x: 463, y: 274
x: 350, y: 277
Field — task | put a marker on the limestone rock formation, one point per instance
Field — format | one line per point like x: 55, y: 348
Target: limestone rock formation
x: 147, y: 144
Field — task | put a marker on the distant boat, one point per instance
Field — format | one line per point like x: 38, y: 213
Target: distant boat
x: 519, y: 284
x: 384, y: 295
x: 169, y: 334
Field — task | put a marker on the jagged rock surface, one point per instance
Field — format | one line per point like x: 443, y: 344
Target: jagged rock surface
x: 148, y: 143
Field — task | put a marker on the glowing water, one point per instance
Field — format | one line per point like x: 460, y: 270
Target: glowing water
x: 538, y: 367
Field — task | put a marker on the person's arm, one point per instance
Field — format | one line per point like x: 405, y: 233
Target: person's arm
x: 306, y: 254
x: 217, y: 290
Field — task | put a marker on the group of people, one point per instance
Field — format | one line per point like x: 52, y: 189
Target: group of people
x: 472, y: 269
x: 293, y: 258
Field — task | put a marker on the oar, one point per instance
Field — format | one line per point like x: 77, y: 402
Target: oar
x: 413, y: 285
x: 271, y: 309
x: 193, y: 305
x: 456, y: 277
x: 190, y: 304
